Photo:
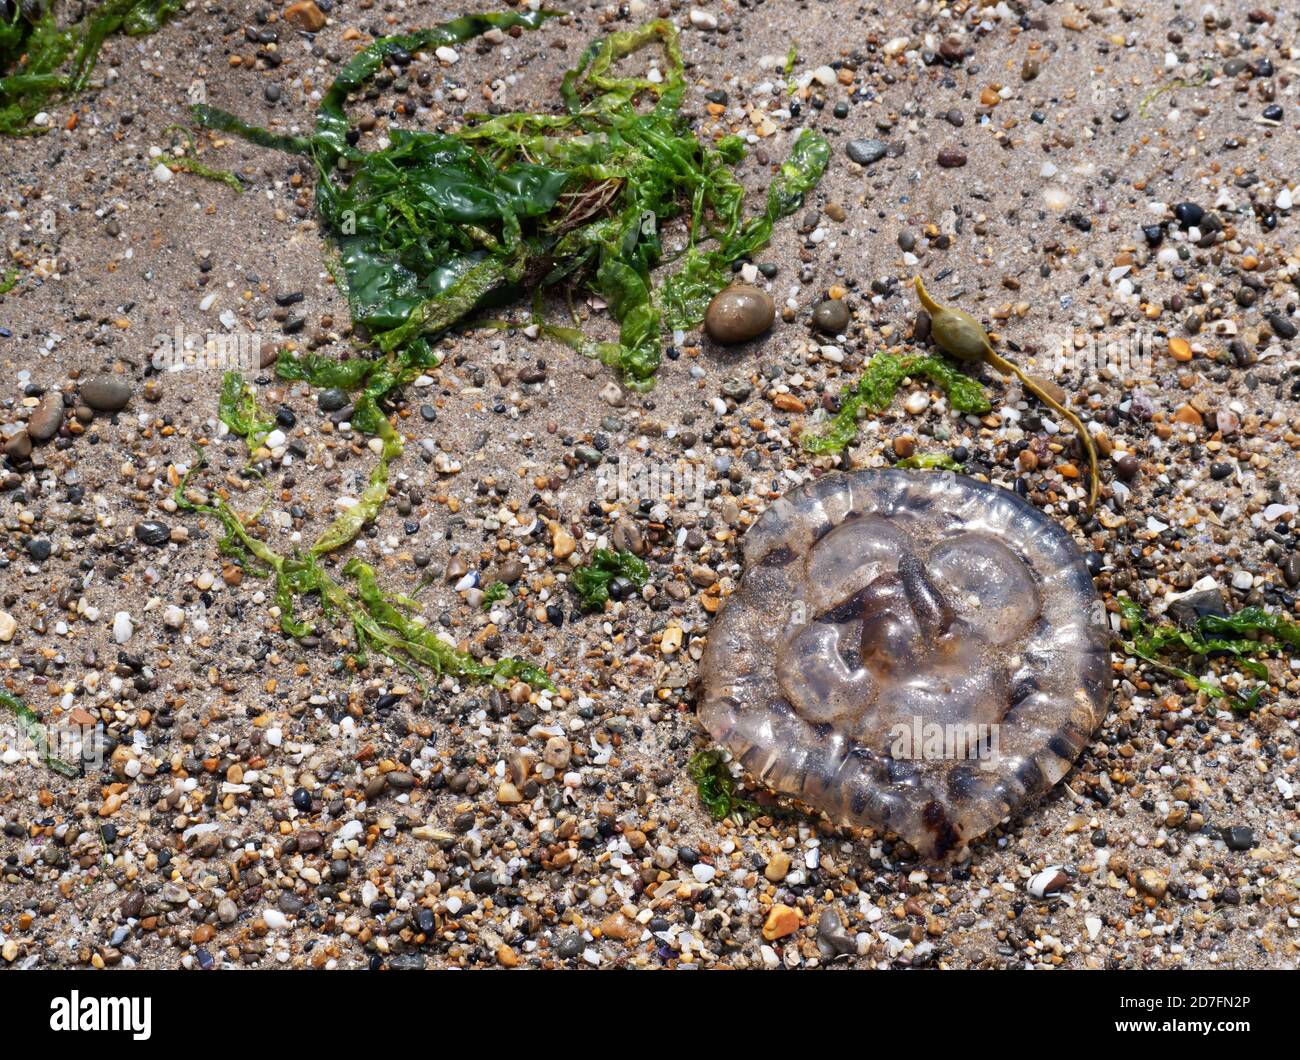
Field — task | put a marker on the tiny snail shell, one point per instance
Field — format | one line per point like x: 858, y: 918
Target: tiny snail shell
x: 911, y: 651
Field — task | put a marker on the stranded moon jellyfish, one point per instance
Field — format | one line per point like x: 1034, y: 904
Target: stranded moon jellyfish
x: 910, y: 651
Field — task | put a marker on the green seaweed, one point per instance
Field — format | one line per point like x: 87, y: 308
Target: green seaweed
x: 494, y: 593
x: 10, y: 280
x: 1144, y: 104
x: 717, y: 788
x: 876, y: 389
x: 439, y: 224
x: 349, y: 523
x: 397, y: 636
x: 42, y: 62
x: 237, y: 409
x: 591, y: 582
x: 929, y: 461
x: 377, y: 623
x: 29, y: 725
x: 1236, y: 636
x: 192, y: 165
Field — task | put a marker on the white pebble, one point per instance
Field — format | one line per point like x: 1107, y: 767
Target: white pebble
x: 122, y: 627
x: 917, y: 403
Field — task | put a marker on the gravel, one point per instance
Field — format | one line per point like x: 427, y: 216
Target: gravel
x: 351, y: 818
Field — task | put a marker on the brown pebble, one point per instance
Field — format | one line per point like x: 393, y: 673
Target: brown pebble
x: 304, y: 15
x: 19, y: 447
x: 739, y: 313
x: 952, y: 158
x: 106, y: 393
x: 832, y: 316
x: 46, y: 418
x: 781, y: 921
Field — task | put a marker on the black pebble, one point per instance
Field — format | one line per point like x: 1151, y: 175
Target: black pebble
x: 1239, y: 837
x: 332, y: 400
x: 152, y: 532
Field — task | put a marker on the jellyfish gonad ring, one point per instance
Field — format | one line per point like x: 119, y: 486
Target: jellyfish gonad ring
x: 910, y: 651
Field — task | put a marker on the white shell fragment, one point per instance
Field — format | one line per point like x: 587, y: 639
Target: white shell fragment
x: 910, y: 651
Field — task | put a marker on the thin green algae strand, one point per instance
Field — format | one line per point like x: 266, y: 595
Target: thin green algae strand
x: 1237, y: 636
x: 31, y: 729
x: 42, y: 62
x: 237, y: 409
x: 439, y: 224
x: 875, y: 391
x: 189, y: 164
x: 378, y: 623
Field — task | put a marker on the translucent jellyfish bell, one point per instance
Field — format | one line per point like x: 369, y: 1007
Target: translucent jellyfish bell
x: 910, y: 651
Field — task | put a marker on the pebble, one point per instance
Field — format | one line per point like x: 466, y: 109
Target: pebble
x: 8, y: 627
x: 332, y: 399
x: 1283, y: 327
x: 304, y: 15
x: 563, y: 543
x: 832, y: 939
x: 865, y: 152
x: 739, y: 313
x: 1048, y: 883
x: 1152, y: 882
x: 46, y: 418
x: 917, y: 402
x: 122, y: 627
x: 106, y: 393
x: 152, y: 532
x: 778, y: 867
x: 832, y: 316
x: 557, y: 752
x: 952, y: 158
x: 781, y: 921
x: 1239, y: 837
x: 18, y: 447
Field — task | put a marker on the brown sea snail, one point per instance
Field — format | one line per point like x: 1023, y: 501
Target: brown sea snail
x: 960, y: 336
x: 915, y: 652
